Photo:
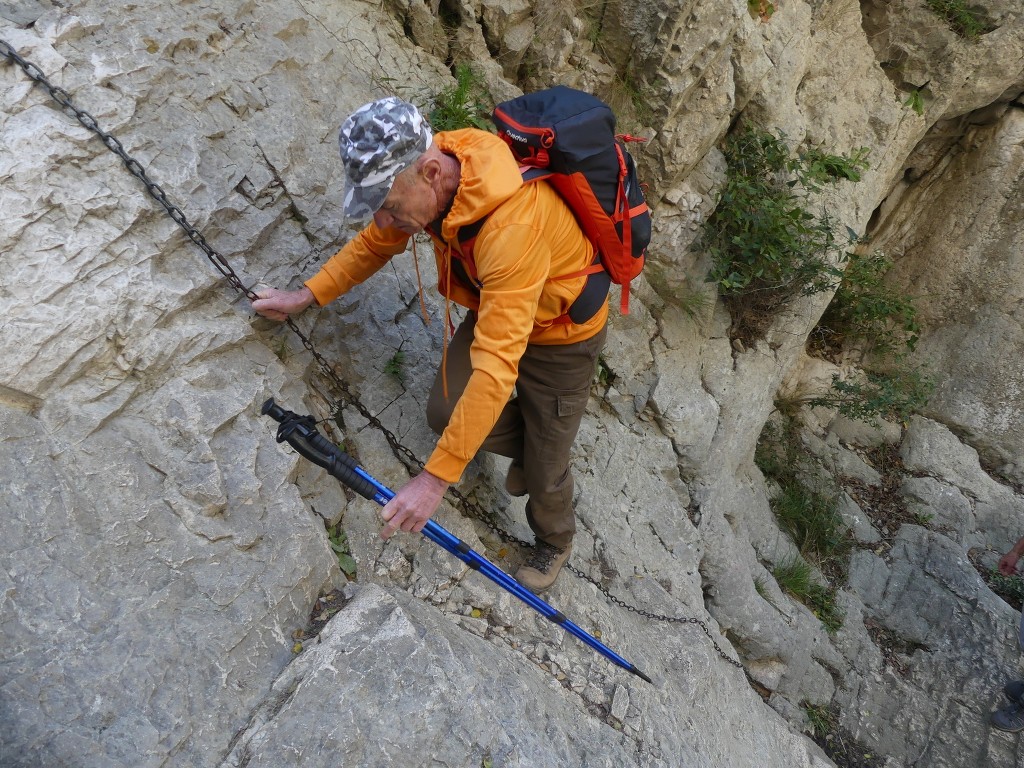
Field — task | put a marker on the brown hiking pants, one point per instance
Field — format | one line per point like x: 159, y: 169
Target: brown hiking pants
x: 537, y: 427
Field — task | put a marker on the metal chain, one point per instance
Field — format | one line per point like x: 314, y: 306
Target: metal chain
x: 63, y: 98
x: 412, y: 463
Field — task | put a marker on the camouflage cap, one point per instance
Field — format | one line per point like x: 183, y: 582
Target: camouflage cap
x: 378, y: 141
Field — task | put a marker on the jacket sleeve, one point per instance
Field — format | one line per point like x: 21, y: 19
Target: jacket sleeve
x: 513, y: 262
x: 360, y: 258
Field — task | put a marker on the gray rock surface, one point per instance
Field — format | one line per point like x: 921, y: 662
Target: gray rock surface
x: 160, y: 550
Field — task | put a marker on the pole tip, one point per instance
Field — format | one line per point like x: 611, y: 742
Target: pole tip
x: 641, y: 675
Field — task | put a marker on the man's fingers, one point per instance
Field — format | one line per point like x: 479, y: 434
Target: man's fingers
x: 389, y: 515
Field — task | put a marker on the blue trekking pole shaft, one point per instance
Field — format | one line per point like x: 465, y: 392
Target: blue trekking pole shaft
x: 301, y: 433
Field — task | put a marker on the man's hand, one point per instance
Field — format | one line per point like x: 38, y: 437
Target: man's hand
x: 413, y: 505
x: 278, y: 305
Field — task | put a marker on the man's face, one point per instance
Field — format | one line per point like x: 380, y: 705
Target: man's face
x: 410, y: 205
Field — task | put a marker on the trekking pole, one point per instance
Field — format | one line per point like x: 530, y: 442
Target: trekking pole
x: 300, y: 433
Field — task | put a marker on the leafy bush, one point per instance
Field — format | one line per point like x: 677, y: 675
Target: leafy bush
x: 895, y: 395
x: 766, y: 246
x: 867, y: 311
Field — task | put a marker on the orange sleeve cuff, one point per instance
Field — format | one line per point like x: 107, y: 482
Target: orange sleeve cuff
x: 445, y: 466
x: 324, y: 289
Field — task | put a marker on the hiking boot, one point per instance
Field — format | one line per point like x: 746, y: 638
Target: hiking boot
x: 515, y: 480
x: 1009, y: 719
x: 1014, y: 691
x: 541, y: 570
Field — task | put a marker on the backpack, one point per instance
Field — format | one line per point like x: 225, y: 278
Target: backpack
x: 567, y: 138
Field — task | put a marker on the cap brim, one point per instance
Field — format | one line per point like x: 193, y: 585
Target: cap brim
x: 363, y: 202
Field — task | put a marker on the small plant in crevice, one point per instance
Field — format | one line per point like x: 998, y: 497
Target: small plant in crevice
x: 961, y: 17
x: 821, y: 719
x: 761, y: 9
x: 605, y: 375
x: 809, y: 513
x: 915, y: 101
x: 640, y: 101
x: 765, y: 243
x: 694, y: 302
x: 1009, y: 588
x: 811, y: 518
x: 807, y: 510
x: 796, y: 576
x: 760, y: 587
x: 462, y: 105
x: 395, y: 366
x: 845, y: 751
x: 339, y: 544
x: 923, y: 519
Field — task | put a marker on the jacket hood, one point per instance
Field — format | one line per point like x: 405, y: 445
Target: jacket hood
x: 489, y: 176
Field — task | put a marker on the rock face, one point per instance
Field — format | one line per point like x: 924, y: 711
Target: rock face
x: 971, y: 309
x: 162, y: 554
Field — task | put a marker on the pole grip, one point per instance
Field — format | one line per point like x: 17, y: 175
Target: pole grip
x: 300, y: 433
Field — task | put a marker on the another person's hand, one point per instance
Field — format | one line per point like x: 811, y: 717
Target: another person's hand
x: 413, y: 505
x: 278, y: 305
x: 1008, y: 563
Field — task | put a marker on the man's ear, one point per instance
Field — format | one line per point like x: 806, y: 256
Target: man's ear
x: 430, y: 169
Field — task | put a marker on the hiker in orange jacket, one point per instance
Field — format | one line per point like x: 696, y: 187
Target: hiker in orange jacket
x: 516, y: 334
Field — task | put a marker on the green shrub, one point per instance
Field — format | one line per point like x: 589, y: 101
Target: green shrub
x: 867, y: 311
x: 894, y: 395
x: 765, y: 244
x: 761, y: 9
x: 461, y: 105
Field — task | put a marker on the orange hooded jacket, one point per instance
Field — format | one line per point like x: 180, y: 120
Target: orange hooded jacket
x: 529, y: 237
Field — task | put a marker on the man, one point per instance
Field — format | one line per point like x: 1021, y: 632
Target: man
x: 1011, y: 718
x: 517, y: 334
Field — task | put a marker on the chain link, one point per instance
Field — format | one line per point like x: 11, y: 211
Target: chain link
x: 408, y: 458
